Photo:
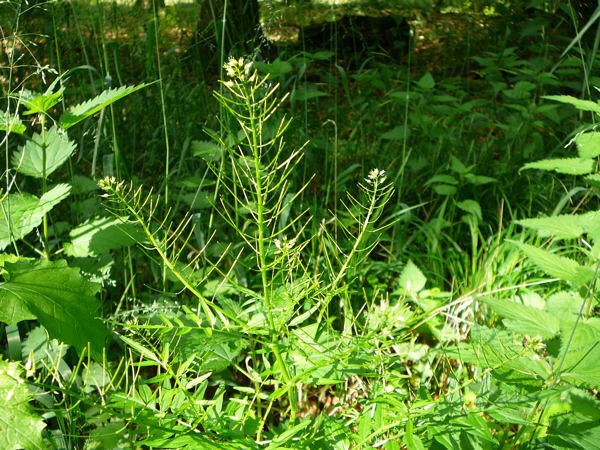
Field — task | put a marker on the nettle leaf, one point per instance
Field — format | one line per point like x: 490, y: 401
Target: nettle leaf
x: 569, y: 166
x: 498, y: 349
x: 21, y: 213
x: 58, y: 297
x: 29, y: 159
x: 584, y: 105
x: 524, y: 319
x: 581, y: 353
x: 566, y: 226
x: 588, y: 144
x: 557, y: 266
x: 20, y: 427
x: 11, y: 123
x: 412, y: 279
x: 80, y: 112
x: 40, y: 103
x: 99, y: 235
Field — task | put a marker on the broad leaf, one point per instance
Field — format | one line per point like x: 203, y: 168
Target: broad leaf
x: 524, y: 319
x: 57, y: 296
x: 21, y: 213
x: 565, y: 226
x: 80, y: 112
x: 412, y: 279
x: 52, y: 148
x: 584, y: 105
x: 588, y: 144
x: 97, y: 236
x: 570, y: 166
x: 20, y: 427
x: 557, y: 266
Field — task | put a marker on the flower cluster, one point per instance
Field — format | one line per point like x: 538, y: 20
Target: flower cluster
x: 284, y: 245
x: 110, y: 183
x: 376, y: 176
x: 239, y: 68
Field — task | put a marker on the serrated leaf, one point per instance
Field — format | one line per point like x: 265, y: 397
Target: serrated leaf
x: 584, y: 105
x: 99, y: 235
x: 524, y: 319
x: 80, y: 112
x: 40, y: 347
x: 40, y: 103
x: 21, y: 213
x: 570, y: 166
x: 11, y: 124
x: 58, y: 297
x: 557, y: 266
x: 412, y: 279
x: 53, y: 148
x: 566, y: 226
x: 594, y: 180
x: 588, y: 144
x: 20, y: 427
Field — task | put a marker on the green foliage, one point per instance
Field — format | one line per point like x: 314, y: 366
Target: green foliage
x: 57, y: 296
x: 20, y: 426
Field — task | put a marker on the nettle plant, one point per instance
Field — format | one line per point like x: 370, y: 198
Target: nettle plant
x: 265, y: 328
x: 544, y: 362
x: 48, y: 289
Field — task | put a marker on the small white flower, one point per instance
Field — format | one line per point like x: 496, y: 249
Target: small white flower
x: 376, y: 176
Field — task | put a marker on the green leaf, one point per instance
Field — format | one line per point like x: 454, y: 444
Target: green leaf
x: 581, y: 353
x: 29, y: 159
x: 557, y: 266
x: 80, y: 112
x: 98, y: 236
x: 588, y: 144
x: 471, y: 207
x: 307, y: 92
x: 40, y: 103
x: 208, y: 151
x: 584, y: 105
x: 395, y: 134
x: 58, y: 297
x: 570, y: 166
x: 479, y: 180
x: 11, y: 124
x: 20, y: 427
x: 426, y: 82
x: 21, y: 213
x: 524, y: 319
x: 412, y: 279
x: 565, y: 226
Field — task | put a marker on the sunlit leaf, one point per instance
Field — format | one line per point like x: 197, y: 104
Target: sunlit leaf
x: 52, y: 148
x: 21, y: 213
x: 58, y: 297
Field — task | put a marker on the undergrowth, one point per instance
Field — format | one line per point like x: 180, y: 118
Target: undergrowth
x: 308, y: 248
